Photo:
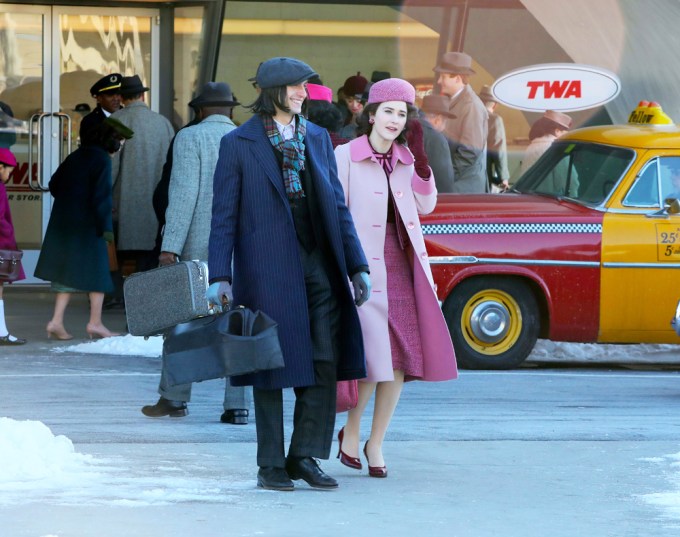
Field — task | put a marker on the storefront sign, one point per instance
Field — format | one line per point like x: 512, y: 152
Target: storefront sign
x: 565, y: 87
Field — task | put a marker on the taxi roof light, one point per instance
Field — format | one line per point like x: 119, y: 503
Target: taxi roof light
x: 649, y: 113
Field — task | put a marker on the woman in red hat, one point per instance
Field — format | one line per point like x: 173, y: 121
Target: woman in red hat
x: 387, y: 186
x: 7, y: 241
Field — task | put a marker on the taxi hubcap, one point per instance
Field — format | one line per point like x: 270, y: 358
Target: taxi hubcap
x: 491, y: 321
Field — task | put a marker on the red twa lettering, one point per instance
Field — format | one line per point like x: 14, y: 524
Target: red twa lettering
x: 20, y: 175
x: 557, y: 89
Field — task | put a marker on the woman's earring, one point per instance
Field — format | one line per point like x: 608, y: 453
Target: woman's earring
x: 371, y: 121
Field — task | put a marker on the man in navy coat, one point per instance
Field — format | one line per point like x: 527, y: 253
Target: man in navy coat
x: 279, y: 211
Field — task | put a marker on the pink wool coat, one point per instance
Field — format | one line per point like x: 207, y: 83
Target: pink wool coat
x: 366, y: 195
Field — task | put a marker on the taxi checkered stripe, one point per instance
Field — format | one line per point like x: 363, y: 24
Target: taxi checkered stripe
x: 459, y: 229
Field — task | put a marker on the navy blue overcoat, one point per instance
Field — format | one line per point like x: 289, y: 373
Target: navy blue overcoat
x: 73, y: 252
x: 252, y: 220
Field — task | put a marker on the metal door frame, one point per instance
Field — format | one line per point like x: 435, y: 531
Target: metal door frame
x: 52, y: 120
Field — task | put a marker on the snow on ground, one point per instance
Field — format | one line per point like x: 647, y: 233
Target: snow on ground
x: 39, y: 466
x: 543, y: 351
x: 667, y: 502
x: 121, y: 345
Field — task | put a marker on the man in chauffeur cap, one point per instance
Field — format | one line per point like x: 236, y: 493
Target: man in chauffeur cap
x: 106, y: 92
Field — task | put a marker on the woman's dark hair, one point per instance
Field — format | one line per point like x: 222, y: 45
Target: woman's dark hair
x: 544, y: 126
x: 325, y: 115
x: 364, y: 127
x: 105, y: 137
x: 271, y: 99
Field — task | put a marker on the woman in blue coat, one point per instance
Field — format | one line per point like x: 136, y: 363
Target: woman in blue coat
x: 279, y: 210
x: 74, y: 254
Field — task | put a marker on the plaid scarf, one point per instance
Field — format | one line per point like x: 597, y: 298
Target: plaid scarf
x: 293, y: 154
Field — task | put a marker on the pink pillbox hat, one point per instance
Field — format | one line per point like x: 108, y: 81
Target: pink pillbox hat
x: 317, y: 92
x: 392, y: 89
x: 7, y: 158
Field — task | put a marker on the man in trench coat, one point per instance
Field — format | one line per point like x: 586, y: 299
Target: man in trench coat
x: 279, y: 210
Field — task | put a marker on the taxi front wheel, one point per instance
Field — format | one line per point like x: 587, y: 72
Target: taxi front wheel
x: 494, y: 322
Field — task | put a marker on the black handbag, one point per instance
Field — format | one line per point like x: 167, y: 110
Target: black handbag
x: 10, y: 264
x: 235, y: 342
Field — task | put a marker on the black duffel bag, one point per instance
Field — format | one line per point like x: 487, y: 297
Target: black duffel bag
x: 235, y: 342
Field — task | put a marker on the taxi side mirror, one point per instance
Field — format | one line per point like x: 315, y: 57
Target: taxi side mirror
x: 675, y: 321
x: 672, y: 205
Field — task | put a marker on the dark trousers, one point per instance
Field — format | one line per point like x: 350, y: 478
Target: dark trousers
x: 314, y: 414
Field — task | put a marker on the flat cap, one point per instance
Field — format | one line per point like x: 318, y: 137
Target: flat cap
x: 108, y: 84
x: 282, y: 71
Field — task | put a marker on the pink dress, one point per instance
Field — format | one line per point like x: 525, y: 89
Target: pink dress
x: 407, y: 353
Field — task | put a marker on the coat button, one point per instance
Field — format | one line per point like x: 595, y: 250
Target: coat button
x: 423, y: 255
x: 410, y: 225
x: 399, y: 194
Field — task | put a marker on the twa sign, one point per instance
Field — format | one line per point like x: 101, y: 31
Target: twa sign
x: 565, y: 87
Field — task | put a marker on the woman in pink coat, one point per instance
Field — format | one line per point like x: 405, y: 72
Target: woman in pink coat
x: 7, y: 241
x: 405, y: 335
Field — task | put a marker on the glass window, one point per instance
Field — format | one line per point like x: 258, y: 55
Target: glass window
x: 645, y: 189
x: 584, y: 172
x: 336, y: 40
x: 188, y: 40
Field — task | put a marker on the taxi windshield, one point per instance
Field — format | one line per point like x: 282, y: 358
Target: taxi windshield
x: 585, y: 172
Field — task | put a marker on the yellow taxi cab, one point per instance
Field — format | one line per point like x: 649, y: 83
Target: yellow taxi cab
x: 585, y: 247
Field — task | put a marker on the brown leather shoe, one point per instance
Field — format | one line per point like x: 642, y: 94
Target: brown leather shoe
x: 165, y: 407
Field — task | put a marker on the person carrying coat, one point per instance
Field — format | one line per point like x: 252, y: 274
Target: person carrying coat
x: 279, y: 213
x: 387, y: 185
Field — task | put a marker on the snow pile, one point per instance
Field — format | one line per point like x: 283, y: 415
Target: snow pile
x: 668, y: 502
x: 120, y: 345
x: 38, y: 466
x: 546, y: 350
x: 30, y: 452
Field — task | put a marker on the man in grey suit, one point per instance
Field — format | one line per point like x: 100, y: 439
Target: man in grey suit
x: 136, y: 169
x: 187, y: 226
x: 467, y: 128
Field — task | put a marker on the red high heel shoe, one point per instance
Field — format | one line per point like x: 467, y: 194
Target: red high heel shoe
x: 352, y: 462
x: 374, y: 471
